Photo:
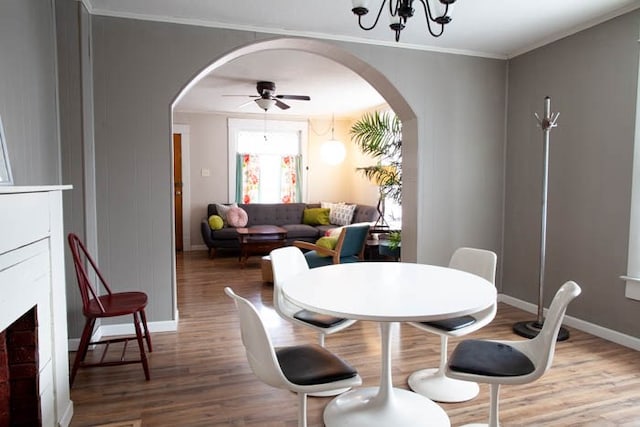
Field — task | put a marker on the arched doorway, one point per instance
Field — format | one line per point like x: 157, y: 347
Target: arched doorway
x: 375, y: 78
x: 363, y: 71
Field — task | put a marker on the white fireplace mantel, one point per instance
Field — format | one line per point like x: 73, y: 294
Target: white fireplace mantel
x: 32, y: 274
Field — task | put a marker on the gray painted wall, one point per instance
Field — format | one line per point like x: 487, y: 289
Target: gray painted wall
x: 591, y: 78
x: 76, y: 136
x: 141, y: 66
x: 28, y: 90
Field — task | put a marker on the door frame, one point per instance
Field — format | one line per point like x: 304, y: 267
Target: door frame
x: 183, y: 130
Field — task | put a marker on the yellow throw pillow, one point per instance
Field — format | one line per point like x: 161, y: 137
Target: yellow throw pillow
x: 328, y: 243
x: 215, y: 222
x: 316, y: 216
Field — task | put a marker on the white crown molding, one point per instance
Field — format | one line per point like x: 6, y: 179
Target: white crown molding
x: 574, y: 30
x: 279, y: 31
x: 323, y: 36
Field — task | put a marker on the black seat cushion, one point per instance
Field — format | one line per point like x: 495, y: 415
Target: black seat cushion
x: 452, y: 324
x: 312, y: 364
x: 317, y: 319
x: 488, y: 358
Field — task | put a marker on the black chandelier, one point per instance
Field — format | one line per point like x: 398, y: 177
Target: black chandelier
x: 400, y: 11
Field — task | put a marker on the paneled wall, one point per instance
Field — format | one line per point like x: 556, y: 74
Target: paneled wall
x: 28, y: 105
x: 592, y: 80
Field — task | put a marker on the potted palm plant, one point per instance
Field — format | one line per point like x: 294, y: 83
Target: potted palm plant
x: 379, y: 135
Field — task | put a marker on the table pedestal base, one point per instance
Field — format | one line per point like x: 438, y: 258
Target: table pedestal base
x: 432, y: 383
x: 363, y: 407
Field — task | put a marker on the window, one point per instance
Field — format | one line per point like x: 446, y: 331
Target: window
x: 266, y: 161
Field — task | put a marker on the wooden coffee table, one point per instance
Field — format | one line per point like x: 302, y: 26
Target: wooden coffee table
x: 260, y: 240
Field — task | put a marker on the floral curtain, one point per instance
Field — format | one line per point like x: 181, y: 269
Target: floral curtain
x: 290, y: 184
x: 247, y: 178
x: 250, y: 171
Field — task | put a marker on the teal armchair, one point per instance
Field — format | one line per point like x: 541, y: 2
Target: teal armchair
x: 349, y: 247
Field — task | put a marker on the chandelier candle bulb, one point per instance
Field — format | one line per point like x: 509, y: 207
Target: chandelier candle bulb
x: 360, y: 7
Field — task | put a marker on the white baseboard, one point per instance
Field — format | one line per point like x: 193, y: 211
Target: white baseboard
x: 125, y: 329
x: 198, y: 248
x: 590, y: 328
x: 67, y: 415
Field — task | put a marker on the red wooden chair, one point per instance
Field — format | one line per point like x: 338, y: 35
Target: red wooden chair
x: 111, y: 304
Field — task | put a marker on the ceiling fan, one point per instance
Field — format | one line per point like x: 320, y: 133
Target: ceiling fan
x: 267, y: 97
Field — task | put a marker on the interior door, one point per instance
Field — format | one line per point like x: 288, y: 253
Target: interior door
x: 177, y: 189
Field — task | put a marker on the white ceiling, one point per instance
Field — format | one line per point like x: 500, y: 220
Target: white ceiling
x: 488, y: 28
x: 333, y: 88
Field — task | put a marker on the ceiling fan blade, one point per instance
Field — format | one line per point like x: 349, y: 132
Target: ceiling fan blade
x: 244, y: 96
x: 281, y: 105
x: 296, y: 97
x: 244, y: 104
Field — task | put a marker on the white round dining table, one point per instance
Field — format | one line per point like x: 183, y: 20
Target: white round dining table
x: 388, y: 292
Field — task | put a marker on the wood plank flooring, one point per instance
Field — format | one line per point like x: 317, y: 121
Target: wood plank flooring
x: 200, y: 376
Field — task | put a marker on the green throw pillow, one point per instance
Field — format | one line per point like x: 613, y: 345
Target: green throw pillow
x: 328, y: 243
x: 316, y: 216
x: 215, y: 222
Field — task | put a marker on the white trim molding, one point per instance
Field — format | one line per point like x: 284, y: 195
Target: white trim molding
x: 590, y: 328
x: 125, y: 329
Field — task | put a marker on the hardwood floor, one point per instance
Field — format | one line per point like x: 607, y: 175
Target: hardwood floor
x: 200, y: 376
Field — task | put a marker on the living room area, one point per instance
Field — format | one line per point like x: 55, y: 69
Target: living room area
x: 216, y: 126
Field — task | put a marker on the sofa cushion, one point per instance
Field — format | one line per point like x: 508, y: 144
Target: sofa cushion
x: 226, y: 233
x: 365, y: 213
x: 300, y: 231
x: 273, y: 213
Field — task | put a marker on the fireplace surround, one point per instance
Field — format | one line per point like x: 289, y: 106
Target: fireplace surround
x: 19, y: 391
x: 32, y: 280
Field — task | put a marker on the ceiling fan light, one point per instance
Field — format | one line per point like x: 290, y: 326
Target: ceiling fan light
x: 265, y: 103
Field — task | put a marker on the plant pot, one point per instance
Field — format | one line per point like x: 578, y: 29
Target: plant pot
x: 385, y: 250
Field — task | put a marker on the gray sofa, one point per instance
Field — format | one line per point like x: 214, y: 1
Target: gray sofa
x: 285, y: 215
